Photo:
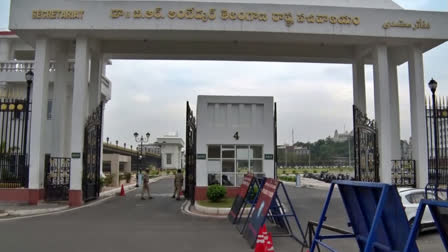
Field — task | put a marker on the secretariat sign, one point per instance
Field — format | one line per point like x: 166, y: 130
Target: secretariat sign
x: 225, y: 14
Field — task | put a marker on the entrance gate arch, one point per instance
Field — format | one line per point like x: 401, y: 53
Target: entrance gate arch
x: 345, y: 32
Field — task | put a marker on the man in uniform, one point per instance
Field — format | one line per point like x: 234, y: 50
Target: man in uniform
x: 146, y: 185
x: 178, y: 182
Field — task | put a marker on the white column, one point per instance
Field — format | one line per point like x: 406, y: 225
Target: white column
x: 359, y: 85
x: 382, y: 112
x: 95, y: 84
x: 78, y: 110
x: 68, y: 122
x: 39, y: 115
x: 394, y: 111
x: 418, y: 117
x: 60, y: 101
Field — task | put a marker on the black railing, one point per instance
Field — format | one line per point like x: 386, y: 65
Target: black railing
x: 14, y: 170
x: 403, y: 173
x: 57, y: 178
x: 437, y: 150
x: 14, y: 142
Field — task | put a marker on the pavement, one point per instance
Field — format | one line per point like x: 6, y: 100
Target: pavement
x: 128, y: 224
x: 14, y: 209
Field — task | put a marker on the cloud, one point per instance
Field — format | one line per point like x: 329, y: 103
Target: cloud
x: 141, y: 98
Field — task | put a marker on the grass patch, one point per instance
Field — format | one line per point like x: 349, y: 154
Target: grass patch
x: 224, y: 203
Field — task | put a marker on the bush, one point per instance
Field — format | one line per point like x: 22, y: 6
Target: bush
x: 305, y: 171
x: 153, y: 173
x: 108, y: 180
x: 101, y: 183
x: 284, y: 171
x: 216, y: 193
x: 127, y: 176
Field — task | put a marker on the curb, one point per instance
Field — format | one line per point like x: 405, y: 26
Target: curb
x: 185, y: 208
x: 303, y: 185
x: 215, y: 210
x: 35, y: 211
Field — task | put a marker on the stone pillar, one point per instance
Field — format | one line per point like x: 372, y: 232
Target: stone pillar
x: 39, y: 119
x: 115, y: 169
x: 382, y: 112
x: 394, y: 111
x: 60, y: 101
x: 418, y: 117
x: 68, y: 122
x: 359, y: 85
x: 78, y: 118
x: 128, y: 164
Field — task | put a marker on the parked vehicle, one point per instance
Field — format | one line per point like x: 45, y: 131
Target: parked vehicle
x: 410, y: 197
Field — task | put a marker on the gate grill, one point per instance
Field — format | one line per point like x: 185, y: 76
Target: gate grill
x: 365, y: 147
x: 14, y: 144
x: 437, y: 165
x: 57, y: 178
x: 92, y: 155
x: 190, y: 155
x: 403, y: 173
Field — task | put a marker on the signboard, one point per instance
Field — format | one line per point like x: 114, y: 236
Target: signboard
x: 247, y: 184
x: 261, y: 210
x: 201, y: 156
x: 268, y: 156
x: 76, y: 155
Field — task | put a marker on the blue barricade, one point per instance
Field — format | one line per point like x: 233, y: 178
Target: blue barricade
x: 439, y: 212
x: 376, y: 216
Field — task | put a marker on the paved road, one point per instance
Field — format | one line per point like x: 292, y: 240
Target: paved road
x: 130, y: 224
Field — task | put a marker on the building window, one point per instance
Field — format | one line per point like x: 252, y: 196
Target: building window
x: 168, y: 158
x: 227, y: 164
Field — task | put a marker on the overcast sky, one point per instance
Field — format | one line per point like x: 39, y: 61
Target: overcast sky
x: 312, y: 99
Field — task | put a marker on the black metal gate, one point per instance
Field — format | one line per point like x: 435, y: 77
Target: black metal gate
x: 365, y: 147
x: 437, y: 152
x: 57, y: 178
x: 14, y: 142
x: 190, y: 155
x: 92, y: 155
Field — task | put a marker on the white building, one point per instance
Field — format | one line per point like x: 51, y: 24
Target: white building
x: 171, y: 151
x: 235, y: 135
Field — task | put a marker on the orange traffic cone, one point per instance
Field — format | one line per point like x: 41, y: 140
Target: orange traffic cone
x: 122, y: 191
x: 270, y: 244
x: 260, y: 245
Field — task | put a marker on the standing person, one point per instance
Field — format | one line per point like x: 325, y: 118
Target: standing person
x: 178, y: 182
x: 146, y: 185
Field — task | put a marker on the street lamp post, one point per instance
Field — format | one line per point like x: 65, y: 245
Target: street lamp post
x: 433, y: 86
x: 29, y: 76
x: 140, y: 140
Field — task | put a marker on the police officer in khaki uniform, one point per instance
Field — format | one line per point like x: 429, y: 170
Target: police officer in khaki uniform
x: 146, y: 185
x: 178, y: 182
